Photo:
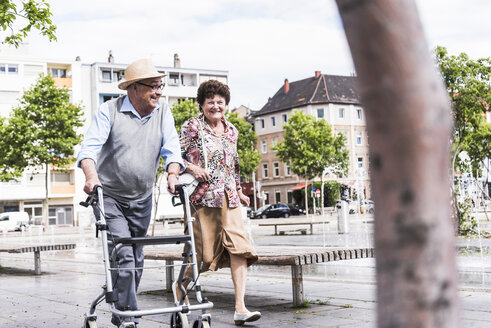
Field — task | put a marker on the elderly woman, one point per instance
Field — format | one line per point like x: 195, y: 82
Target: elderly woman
x: 219, y: 232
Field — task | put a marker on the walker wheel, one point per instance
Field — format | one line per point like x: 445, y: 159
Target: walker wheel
x: 90, y: 324
x: 201, y: 324
x: 179, y: 320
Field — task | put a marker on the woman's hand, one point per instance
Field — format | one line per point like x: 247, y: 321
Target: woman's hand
x: 243, y: 198
x: 198, y: 172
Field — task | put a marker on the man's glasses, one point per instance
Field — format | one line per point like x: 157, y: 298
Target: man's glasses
x: 153, y: 87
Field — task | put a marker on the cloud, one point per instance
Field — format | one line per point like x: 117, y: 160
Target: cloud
x: 259, y: 42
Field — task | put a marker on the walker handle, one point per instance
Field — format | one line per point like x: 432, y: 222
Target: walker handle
x: 93, y: 198
x: 179, y: 197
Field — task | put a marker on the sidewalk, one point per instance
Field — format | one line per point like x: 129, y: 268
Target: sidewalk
x: 72, y: 279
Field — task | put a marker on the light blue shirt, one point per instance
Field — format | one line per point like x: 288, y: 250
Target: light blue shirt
x: 100, y: 128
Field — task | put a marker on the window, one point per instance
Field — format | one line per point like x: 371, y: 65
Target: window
x: 60, y: 215
x: 174, y: 79
x: 360, y: 162
x: 359, y: 114
x: 266, y: 198
x: 106, y: 76
x: 265, y: 171
x: 288, y: 172
x: 276, y: 169
x: 58, y: 72
x: 320, y: 112
x: 341, y: 112
x: 61, y: 178
x: 261, y: 122
x: 117, y: 76
x: 264, y: 146
x: 35, y: 211
x: 284, y: 118
x: 273, y: 121
x: 289, y: 196
x: 13, y: 69
x: 111, y: 75
x: 358, y: 138
x: 275, y: 141
x: 277, y: 196
x: 9, y: 69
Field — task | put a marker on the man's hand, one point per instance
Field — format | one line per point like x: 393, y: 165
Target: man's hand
x: 172, y: 181
x: 91, y: 177
x: 90, y: 185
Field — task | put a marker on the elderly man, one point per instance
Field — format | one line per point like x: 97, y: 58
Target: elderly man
x: 121, y: 152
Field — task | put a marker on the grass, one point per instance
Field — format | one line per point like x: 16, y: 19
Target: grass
x: 304, y: 304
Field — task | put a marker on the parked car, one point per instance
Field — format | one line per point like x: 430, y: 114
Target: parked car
x: 13, y: 221
x: 272, y: 211
x: 296, y: 210
x: 249, y: 211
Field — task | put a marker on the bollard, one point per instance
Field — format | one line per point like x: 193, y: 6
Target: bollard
x: 342, y: 208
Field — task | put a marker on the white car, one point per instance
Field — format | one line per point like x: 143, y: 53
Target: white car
x: 13, y: 221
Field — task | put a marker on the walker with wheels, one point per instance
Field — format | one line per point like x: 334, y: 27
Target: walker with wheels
x: 179, y: 312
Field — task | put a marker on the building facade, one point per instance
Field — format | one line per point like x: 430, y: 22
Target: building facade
x: 89, y: 85
x: 327, y: 97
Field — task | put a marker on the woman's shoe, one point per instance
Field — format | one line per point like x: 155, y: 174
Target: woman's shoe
x: 241, y: 318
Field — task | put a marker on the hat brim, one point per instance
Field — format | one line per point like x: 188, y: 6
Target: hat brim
x: 125, y: 84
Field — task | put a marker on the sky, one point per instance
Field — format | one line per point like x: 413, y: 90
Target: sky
x: 259, y: 42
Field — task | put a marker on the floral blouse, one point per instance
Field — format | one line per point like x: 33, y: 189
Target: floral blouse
x: 222, y: 157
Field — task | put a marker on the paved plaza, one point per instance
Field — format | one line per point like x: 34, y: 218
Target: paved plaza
x: 340, y: 294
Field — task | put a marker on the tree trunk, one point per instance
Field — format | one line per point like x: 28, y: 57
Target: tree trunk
x: 46, y: 200
x: 322, y: 195
x: 457, y: 213
x: 409, y: 124
x: 306, y: 199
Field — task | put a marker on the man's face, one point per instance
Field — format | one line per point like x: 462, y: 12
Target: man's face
x: 148, y: 93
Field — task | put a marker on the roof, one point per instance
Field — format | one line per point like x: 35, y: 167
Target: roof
x: 322, y: 90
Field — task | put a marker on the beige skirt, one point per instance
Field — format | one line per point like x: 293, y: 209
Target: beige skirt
x: 218, y: 232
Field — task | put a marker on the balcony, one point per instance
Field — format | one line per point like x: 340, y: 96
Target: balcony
x: 63, y: 189
x: 63, y: 82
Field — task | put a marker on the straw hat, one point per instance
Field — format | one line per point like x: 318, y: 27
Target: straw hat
x: 139, y: 70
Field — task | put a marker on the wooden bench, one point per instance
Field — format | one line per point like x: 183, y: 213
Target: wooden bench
x: 36, y: 249
x: 295, y: 257
x: 277, y: 224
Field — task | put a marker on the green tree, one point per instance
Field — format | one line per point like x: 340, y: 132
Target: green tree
x: 468, y: 83
x: 19, y: 17
x: 310, y: 147
x: 246, y: 145
x: 479, y: 147
x: 184, y: 110
x: 42, y: 131
x: 331, y: 194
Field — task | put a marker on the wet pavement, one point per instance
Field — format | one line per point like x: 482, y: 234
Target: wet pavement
x: 340, y: 294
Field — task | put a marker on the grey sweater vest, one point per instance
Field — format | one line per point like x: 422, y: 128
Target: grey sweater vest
x: 129, y: 159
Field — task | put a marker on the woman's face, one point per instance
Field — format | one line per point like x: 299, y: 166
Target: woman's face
x: 214, y: 108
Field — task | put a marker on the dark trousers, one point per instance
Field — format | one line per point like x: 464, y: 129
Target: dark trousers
x: 127, y: 219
